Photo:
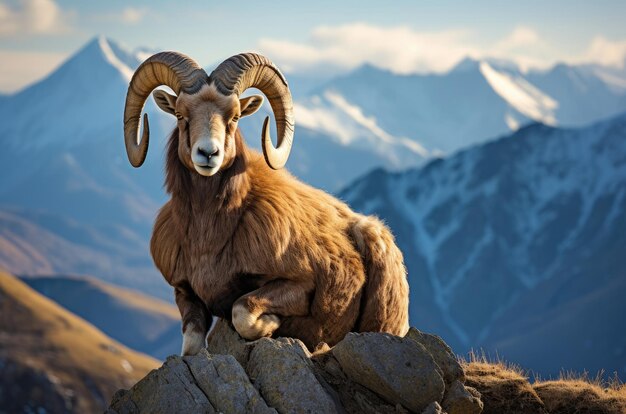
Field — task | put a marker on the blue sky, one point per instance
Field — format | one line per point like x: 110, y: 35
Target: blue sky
x: 403, y: 36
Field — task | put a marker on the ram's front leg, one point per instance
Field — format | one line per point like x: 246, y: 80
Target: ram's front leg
x: 195, y: 317
x: 258, y: 313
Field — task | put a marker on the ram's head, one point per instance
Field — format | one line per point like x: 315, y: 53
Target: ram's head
x: 208, y: 108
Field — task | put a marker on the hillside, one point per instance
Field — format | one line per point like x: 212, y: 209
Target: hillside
x: 51, y: 358
x: 506, y: 242
x: 140, y: 322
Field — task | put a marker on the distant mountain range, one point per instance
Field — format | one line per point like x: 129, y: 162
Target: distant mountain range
x: 517, y: 245
x: 483, y: 229
x: 53, y: 361
x: 474, y: 102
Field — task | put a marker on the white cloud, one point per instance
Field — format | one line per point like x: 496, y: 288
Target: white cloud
x: 131, y: 15
x: 605, y: 52
x: 402, y: 49
x: 20, y: 68
x: 33, y: 17
x: 520, y: 37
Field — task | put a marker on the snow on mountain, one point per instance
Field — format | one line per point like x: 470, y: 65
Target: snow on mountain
x: 473, y: 102
x: 345, y: 122
x: 493, y: 225
x: 520, y: 95
x: 584, y: 93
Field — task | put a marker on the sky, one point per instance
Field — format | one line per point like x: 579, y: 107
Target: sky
x: 402, y: 36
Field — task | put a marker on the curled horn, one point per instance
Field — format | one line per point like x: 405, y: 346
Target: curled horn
x: 250, y: 70
x: 179, y: 72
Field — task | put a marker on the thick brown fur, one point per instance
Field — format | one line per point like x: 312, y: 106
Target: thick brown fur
x: 288, y: 254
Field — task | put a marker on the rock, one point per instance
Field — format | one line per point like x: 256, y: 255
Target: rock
x: 283, y: 372
x: 441, y: 353
x: 459, y: 400
x: 434, y: 408
x: 226, y: 385
x: 355, y: 398
x: 400, y: 370
x: 169, y: 389
x: 369, y: 373
x: 224, y: 340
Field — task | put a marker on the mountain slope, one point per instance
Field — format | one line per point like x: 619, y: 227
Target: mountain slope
x: 140, y: 322
x: 485, y: 228
x: 50, y: 358
x: 39, y: 243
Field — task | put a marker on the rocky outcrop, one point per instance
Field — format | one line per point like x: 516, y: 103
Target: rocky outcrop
x: 364, y: 373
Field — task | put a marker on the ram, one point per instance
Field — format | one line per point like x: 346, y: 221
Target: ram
x: 242, y: 239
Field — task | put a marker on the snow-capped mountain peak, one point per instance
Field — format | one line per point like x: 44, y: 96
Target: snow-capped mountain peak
x: 77, y: 102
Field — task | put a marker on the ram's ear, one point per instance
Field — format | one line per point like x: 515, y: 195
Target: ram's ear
x: 165, y: 101
x: 250, y: 105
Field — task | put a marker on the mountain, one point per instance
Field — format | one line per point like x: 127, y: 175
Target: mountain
x: 140, y: 322
x: 64, y: 146
x: 53, y: 361
x: 502, y: 239
x: 473, y: 102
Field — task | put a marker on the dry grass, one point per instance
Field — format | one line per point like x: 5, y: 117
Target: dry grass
x: 506, y: 389
x: 475, y: 357
x: 573, y: 393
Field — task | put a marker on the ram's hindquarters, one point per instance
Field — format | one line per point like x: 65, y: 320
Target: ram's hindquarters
x: 385, y: 305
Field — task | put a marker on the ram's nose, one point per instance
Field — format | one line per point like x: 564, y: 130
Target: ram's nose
x: 207, y: 152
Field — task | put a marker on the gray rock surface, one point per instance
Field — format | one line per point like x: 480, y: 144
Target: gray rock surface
x: 283, y: 372
x: 441, y: 353
x: 367, y: 373
x: 223, y: 339
x: 460, y: 400
x: 434, y: 408
x: 226, y: 385
x: 398, y: 369
x: 169, y: 389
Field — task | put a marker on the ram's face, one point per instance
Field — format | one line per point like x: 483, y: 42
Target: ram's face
x: 207, y: 121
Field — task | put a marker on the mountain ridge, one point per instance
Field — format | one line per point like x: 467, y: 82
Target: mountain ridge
x: 503, y: 219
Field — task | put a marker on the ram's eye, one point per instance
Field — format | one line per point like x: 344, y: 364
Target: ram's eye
x: 179, y: 116
x: 235, y: 118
